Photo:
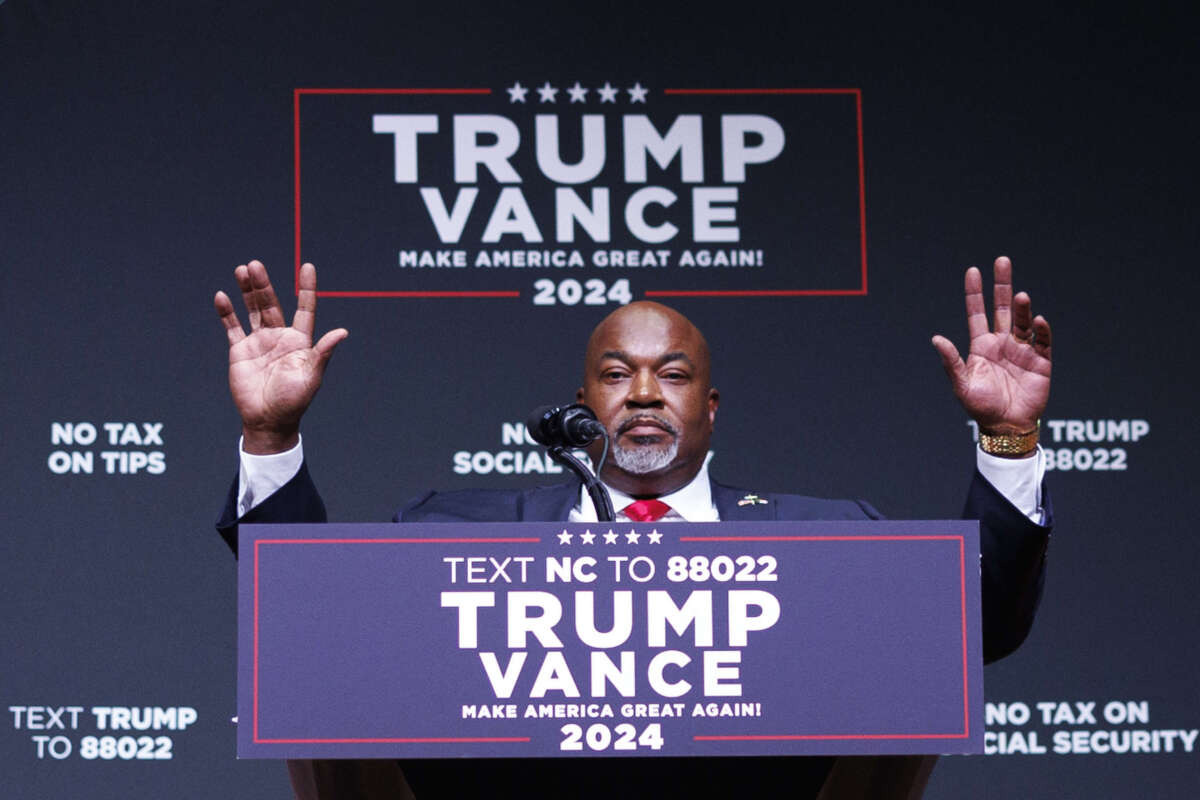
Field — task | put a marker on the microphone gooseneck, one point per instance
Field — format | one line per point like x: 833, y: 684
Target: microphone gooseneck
x: 570, y: 426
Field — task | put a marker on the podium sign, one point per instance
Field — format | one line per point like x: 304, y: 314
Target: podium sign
x: 549, y: 639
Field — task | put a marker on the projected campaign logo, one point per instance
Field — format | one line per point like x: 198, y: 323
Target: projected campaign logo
x: 552, y: 192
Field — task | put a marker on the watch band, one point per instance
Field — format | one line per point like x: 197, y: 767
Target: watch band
x: 1009, y: 445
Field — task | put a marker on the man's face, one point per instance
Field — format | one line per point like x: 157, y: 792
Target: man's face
x: 646, y: 375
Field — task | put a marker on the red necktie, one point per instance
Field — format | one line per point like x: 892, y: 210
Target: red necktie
x: 646, y: 510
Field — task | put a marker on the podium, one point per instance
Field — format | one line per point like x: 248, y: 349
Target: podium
x: 540, y: 639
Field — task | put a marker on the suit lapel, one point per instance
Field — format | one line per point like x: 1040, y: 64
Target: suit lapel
x: 738, y: 504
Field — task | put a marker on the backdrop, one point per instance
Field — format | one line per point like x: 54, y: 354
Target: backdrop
x: 479, y: 184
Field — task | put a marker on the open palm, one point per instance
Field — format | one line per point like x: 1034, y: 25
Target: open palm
x: 1005, y: 382
x: 275, y: 370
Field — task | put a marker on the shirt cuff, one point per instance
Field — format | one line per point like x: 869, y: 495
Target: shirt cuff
x: 259, y: 477
x: 1018, y: 479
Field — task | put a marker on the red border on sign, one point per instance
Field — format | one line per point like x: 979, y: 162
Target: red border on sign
x: 296, y: 94
x: 962, y: 570
x: 862, y: 204
x: 862, y: 201
x: 962, y: 587
x: 404, y: 740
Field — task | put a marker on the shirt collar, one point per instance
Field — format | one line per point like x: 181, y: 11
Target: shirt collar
x: 693, y: 502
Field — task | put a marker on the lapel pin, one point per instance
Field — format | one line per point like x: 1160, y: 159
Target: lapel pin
x: 752, y: 500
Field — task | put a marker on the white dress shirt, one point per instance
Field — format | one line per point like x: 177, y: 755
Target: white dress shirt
x: 1018, y: 479
x: 692, y: 503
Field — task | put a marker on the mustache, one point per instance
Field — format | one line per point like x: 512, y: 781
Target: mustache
x: 643, y: 418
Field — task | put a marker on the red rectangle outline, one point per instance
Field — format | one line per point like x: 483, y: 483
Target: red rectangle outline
x: 862, y: 201
x: 296, y: 94
x: 962, y: 574
x: 409, y: 740
x: 962, y: 585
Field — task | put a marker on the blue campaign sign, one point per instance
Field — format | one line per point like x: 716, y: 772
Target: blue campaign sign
x: 551, y: 639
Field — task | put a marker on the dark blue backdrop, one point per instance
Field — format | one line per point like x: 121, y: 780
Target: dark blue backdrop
x: 146, y: 149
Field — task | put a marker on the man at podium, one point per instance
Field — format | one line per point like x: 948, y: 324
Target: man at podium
x: 647, y: 375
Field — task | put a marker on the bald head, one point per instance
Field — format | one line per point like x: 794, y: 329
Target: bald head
x: 651, y: 323
x: 647, y: 375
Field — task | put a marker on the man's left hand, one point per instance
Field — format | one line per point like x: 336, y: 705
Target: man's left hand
x: 1005, y: 382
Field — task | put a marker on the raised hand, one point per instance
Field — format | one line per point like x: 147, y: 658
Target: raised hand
x: 275, y: 371
x: 1005, y: 382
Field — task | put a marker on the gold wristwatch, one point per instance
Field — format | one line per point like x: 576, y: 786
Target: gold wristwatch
x: 1009, y: 445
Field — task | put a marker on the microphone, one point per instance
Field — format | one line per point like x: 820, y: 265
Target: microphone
x: 572, y: 425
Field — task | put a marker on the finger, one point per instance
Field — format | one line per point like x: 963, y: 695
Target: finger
x: 1002, y: 294
x: 1022, y: 325
x: 306, y: 300
x: 952, y: 362
x: 329, y: 341
x: 233, y: 327
x: 1041, y: 342
x: 977, y: 324
x: 264, y: 293
x: 249, y: 299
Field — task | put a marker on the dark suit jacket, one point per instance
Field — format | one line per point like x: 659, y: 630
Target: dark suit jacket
x: 1013, y: 557
x: 1013, y: 548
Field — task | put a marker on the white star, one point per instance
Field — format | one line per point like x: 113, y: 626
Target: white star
x: 546, y: 93
x: 608, y: 93
x: 632, y: 536
x: 654, y: 537
x: 610, y: 537
x: 587, y: 537
x: 578, y: 93
x: 637, y: 94
x: 516, y: 93
x: 564, y: 537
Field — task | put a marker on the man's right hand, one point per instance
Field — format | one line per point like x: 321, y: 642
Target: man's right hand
x: 275, y: 371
